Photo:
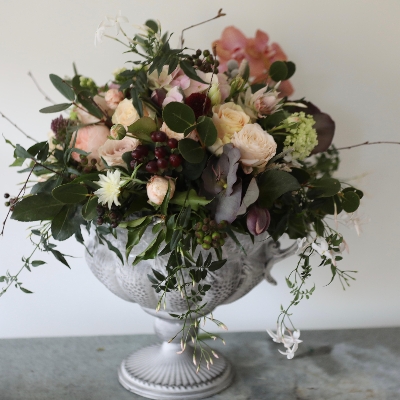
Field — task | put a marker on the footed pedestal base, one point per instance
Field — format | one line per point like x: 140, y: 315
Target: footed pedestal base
x: 158, y: 372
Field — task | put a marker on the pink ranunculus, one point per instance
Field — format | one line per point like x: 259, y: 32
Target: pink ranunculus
x: 89, y: 139
x: 174, y: 95
x: 113, y: 97
x: 257, y: 51
x: 180, y: 79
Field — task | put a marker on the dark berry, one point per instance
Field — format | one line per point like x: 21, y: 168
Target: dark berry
x: 114, y: 207
x: 137, y: 154
x: 6, y: 195
x: 153, y: 136
x: 206, y: 220
x: 93, y: 161
x: 12, y: 208
x: 143, y: 149
x: 152, y: 167
x: 100, y: 221
x: 114, y: 224
x: 198, y: 53
x: 162, y: 163
x: 100, y: 210
x: 113, y: 215
x: 175, y: 160
x: 160, y: 136
x: 160, y: 152
x: 172, y: 143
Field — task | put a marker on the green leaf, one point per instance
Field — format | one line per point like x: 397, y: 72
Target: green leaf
x: 93, y: 176
x: 113, y: 249
x: 359, y: 193
x: 136, y: 101
x: 135, y: 234
x: 273, y: 184
x: 40, y: 207
x: 164, y: 204
x: 66, y: 223
x: 62, y: 87
x: 25, y: 290
x: 291, y: 67
x: 216, y: 265
x: 194, y: 171
x: 142, y: 128
x: 135, y: 223
x: 278, y: 71
x: 178, y: 116
x: 70, y: 193
x: 20, y: 152
x: 36, y: 263
x: 89, y: 209
x: 191, y: 150
x: 152, y: 25
x: 60, y: 257
x: 151, y: 250
x: 86, y: 99
x: 17, y: 162
x: 324, y: 187
x: 47, y: 186
x: 55, y: 108
x: 190, y: 198
x: 189, y: 71
x: 206, y: 130
x: 350, y: 201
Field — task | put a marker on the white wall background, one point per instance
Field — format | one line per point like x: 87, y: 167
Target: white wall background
x: 347, y: 54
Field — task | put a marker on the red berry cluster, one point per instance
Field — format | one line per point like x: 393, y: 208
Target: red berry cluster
x: 164, y: 155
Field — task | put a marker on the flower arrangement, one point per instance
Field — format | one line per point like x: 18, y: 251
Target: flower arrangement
x: 199, y: 145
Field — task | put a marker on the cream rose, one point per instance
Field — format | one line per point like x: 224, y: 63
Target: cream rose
x: 157, y: 188
x: 125, y: 113
x: 89, y: 139
x: 113, y: 97
x: 178, y: 136
x: 256, y: 147
x: 112, y: 151
x: 228, y: 119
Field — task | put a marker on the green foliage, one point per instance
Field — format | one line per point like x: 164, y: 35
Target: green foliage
x: 62, y: 87
x: 189, y: 198
x: 70, y: 193
x: 179, y: 117
x: 207, y: 131
x: 142, y: 128
x: 55, y: 108
x: 66, y: 222
x: 191, y: 150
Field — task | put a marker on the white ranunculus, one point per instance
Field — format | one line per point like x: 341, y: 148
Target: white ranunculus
x: 125, y: 114
x: 112, y: 151
x: 256, y: 147
x: 229, y: 118
x: 157, y: 188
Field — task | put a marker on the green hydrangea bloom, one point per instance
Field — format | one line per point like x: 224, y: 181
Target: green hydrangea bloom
x: 302, y: 137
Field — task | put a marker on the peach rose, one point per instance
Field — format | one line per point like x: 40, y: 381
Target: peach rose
x: 89, y: 139
x: 256, y: 147
x: 157, y: 188
x: 113, y: 97
x: 125, y: 113
x: 228, y: 119
x: 113, y: 150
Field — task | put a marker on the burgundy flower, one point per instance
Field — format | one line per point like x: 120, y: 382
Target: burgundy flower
x: 196, y: 102
x: 58, y: 126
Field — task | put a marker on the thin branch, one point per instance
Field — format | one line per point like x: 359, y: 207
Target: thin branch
x: 15, y: 125
x: 220, y: 14
x: 365, y: 143
x: 17, y: 198
x: 40, y: 89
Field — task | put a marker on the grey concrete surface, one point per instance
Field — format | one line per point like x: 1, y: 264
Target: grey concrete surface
x: 354, y: 364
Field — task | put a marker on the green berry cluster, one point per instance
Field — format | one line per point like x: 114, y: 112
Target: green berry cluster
x: 210, y: 234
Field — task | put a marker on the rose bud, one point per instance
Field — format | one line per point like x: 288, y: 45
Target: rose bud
x: 157, y: 188
x: 258, y: 220
x: 117, y: 132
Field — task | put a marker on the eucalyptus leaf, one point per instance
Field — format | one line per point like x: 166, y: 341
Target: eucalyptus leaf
x: 206, y: 130
x: 178, y: 116
x: 278, y: 71
x: 142, y: 129
x: 350, y: 201
x: 55, y: 108
x: 191, y: 150
x: 62, y: 87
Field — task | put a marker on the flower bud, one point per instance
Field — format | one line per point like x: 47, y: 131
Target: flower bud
x: 258, y: 220
x: 214, y: 94
x: 157, y: 188
x: 117, y: 132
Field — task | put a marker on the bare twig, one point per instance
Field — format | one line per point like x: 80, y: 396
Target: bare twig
x: 17, y: 198
x: 40, y: 89
x: 220, y: 14
x: 214, y: 50
x: 15, y: 125
x: 365, y: 143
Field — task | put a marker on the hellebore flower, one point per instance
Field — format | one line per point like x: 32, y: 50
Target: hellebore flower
x: 258, y: 220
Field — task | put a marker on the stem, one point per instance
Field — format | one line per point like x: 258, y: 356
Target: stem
x: 365, y: 143
x: 220, y: 14
x: 117, y: 40
x: 12, y: 123
x: 40, y: 89
x: 16, y: 199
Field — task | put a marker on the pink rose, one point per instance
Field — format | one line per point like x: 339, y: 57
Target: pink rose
x: 257, y: 51
x: 113, y: 150
x: 89, y: 139
x: 113, y: 97
x: 157, y: 189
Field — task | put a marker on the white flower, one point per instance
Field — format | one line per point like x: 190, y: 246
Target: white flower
x: 291, y: 341
x: 354, y: 220
x: 276, y: 337
x: 302, y: 244
x: 289, y: 353
x: 109, y: 188
x: 323, y: 250
x: 109, y: 22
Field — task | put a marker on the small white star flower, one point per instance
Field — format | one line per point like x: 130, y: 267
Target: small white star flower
x: 302, y: 244
x: 291, y: 341
x: 323, y: 250
x: 109, y: 188
x: 109, y: 22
